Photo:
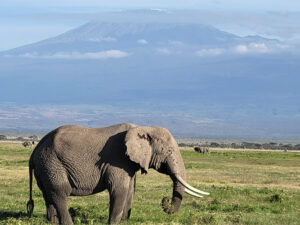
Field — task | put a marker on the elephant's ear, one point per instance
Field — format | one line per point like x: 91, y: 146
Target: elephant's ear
x: 138, y: 147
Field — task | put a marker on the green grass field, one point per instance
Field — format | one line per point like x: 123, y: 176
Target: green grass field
x: 247, y: 187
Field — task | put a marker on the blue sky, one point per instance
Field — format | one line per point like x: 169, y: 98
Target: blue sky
x: 23, y: 22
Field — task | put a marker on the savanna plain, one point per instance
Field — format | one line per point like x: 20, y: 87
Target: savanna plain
x: 246, y: 186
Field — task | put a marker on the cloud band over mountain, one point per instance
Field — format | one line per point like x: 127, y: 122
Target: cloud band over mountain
x: 76, y: 55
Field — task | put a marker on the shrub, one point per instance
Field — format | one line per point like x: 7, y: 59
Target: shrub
x: 3, y: 137
x: 276, y: 198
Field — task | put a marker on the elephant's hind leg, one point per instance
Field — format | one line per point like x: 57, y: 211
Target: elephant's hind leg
x: 56, y: 195
x: 51, y: 213
x: 52, y: 216
x: 61, y: 206
x: 57, y: 209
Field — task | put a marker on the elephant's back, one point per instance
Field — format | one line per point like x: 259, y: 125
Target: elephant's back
x: 79, y: 137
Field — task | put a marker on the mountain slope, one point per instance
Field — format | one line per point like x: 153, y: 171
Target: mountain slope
x: 194, y: 79
x: 98, y: 36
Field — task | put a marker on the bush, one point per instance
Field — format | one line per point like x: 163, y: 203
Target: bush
x: 33, y: 137
x: 3, y: 137
x: 276, y: 198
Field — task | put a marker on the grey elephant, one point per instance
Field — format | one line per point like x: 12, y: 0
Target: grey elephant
x: 27, y: 144
x: 202, y: 149
x: 79, y: 161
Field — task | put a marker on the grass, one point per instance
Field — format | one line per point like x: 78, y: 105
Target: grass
x: 246, y: 186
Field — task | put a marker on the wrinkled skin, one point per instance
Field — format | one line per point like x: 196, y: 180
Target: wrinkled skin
x: 78, y: 161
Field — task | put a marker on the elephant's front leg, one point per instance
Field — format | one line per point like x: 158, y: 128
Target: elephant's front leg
x: 118, y: 196
x: 128, y: 203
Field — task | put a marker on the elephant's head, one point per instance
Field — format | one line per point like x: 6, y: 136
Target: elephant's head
x: 155, y: 147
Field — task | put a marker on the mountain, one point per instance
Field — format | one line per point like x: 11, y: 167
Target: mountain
x: 99, y: 36
x: 192, y: 78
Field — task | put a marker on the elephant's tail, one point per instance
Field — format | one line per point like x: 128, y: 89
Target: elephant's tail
x: 30, y: 203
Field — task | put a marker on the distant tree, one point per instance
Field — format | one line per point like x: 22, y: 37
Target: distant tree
x: 20, y: 139
x: 297, y: 147
x: 33, y: 137
x: 257, y: 146
x: 247, y: 145
x: 287, y: 146
x: 214, y: 144
x: 182, y: 145
x: 235, y: 145
x: 3, y: 137
x: 273, y: 143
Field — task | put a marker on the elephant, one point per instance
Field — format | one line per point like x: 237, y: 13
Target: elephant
x: 202, y: 149
x: 79, y: 161
x: 27, y: 144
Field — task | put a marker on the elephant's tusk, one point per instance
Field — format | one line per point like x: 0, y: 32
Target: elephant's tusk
x: 192, y: 193
x: 185, y: 184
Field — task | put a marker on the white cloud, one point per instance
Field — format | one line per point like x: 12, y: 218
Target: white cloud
x: 142, y: 41
x: 164, y: 51
x: 210, y: 52
x: 83, y: 120
x: 252, y: 48
x: 176, y: 42
x: 76, y: 55
x: 242, y: 49
x: 107, y: 39
x: 259, y: 47
x: 203, y: 121
x: 159, y: 10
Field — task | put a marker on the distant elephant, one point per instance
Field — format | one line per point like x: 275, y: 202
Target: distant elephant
x: 74, y: 160
x: 27, y: 144
x: 202, y: 149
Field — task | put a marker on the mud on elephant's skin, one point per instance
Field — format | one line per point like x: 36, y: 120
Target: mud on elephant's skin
x: 74, y: 160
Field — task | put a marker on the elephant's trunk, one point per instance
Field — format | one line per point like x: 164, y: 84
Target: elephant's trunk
x: 175, y: 169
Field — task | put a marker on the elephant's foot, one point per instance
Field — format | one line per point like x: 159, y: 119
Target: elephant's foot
x: 52, y: 216
x: 126, y: 215
x: 115, y: 219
